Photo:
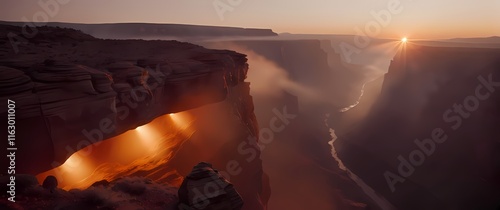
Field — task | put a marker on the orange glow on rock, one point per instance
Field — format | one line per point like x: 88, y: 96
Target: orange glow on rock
x: 142, y: 149
x: 181, y: 120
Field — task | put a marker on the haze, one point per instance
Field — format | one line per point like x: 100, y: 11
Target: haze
x: 426, y: 19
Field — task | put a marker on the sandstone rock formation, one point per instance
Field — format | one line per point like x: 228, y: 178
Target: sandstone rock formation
x: 72, y: 90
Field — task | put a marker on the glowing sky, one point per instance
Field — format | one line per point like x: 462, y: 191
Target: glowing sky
x: 418, y: 18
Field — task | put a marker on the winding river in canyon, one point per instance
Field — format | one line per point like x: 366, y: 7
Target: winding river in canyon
x: 376, y: 197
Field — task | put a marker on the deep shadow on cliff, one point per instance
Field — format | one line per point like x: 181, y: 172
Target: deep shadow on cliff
x: 431, y: 139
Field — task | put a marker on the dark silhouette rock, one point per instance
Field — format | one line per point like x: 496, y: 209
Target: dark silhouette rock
x: 206, y: 189
x: 50, y: 183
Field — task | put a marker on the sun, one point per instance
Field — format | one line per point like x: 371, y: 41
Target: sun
x: 404, y: 40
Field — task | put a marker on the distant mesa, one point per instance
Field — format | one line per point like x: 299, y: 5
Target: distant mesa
x: 491, y: 39
x: 155, y: 31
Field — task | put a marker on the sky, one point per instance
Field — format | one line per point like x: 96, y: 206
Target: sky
x: 427, y: 19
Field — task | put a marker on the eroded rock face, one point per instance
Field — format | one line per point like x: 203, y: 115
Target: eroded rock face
x: 72, y: 90
x: 206, y: 189
x: 431, y: 139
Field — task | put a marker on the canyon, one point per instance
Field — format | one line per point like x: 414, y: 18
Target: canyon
x: 285, y: 119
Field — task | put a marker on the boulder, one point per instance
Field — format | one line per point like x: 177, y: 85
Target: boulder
x: 206, y: 189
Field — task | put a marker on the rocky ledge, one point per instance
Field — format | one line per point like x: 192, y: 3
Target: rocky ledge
x: 71, y: 89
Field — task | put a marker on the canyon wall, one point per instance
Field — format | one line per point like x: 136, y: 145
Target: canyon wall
x: 431, y: 139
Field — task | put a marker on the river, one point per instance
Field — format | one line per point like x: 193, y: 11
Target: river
x: 376, y: 197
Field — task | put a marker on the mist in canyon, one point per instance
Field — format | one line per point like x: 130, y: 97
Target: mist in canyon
x: 292, y: 121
